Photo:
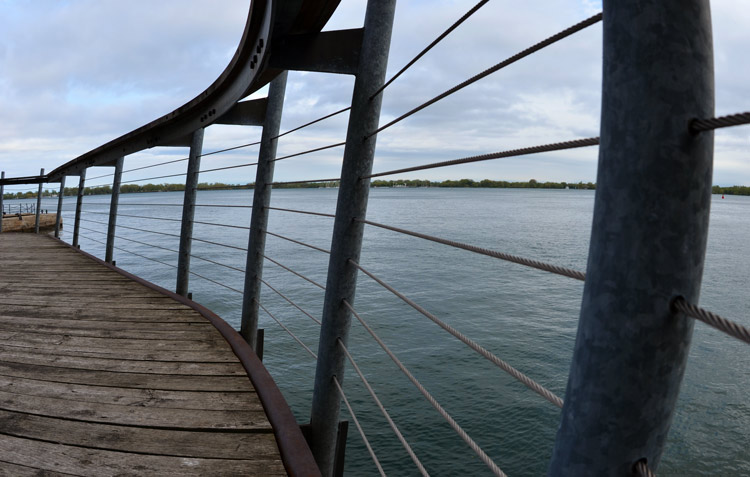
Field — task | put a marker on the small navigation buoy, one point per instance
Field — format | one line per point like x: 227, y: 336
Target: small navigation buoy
x: 722, y: 196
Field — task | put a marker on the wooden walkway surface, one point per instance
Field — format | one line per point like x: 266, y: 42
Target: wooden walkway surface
x: 100, y: 375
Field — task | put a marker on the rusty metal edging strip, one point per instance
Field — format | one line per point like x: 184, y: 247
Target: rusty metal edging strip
x: 295, y: 452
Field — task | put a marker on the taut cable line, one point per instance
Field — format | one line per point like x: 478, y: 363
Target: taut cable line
x: 542, y: 44
x: 712, y: 319
x: 315, y: 356
x: 430, y: 46
x: 558, y: 146
x: 452, y: 422
x: 566, y: 272
x: 699, y: 125
x: 527, y: 381
x: 383, y: 410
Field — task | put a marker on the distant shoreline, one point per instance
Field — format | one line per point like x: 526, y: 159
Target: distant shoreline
x: 416, y: 183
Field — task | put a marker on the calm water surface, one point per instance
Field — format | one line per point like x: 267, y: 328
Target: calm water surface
x: 524, y: 316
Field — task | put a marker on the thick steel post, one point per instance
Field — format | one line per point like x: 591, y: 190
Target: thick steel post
x: 38, y: 203
x: 79, y: 205
x: 347, y: 233
x: 58, y: 216
x: 113, y: 202
x: 188, y: 213
x: 2, y: 205
x: 648, y: 239
x: 261, y: 201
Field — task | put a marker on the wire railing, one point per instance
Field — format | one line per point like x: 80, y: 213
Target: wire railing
x: 234, y: 253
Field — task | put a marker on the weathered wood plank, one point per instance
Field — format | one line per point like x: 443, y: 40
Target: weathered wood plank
x: 163, y: 303
x: 127, y: 380
x: 103, y: 463
x: 235, y: 401
x: 6, y: 321
x: 144, y: 334
x: 29, y: 310
x: 102, y: 375
x: 168, y: 418
x: 213, y: 355
x: 121, y: 365
x: 216, y: 445
x: 69, y: 342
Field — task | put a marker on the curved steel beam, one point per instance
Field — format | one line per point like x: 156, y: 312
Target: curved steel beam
x: 247, y: 72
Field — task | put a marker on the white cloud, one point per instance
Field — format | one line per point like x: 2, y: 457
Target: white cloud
x: 76, y: 74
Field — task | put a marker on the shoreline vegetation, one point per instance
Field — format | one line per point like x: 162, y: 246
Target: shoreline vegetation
x: 461, y: 183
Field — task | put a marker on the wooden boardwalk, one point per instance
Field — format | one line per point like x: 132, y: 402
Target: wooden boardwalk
x: 101, y: 375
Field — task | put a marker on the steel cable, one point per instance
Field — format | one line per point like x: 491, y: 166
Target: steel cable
x: 292, y: 271
x: 313, y: 122
x: 216, y: 282
x: 359, y: 427
x: 309, y: 151
x: 712, y: 319
x: 298, y: 242
x: 227, y: 167
x: 133, y: 228
x: 302, y: 212
x: 221, y: 225
x: 219, y: 244
x: 699, y: 125
x: 542, y: 44
x: 558, y: 146
x: 387, y: 416
x: 456, y: 427
x: 430, y: 46
x: 527, y: 381
x: 306, y: 181
x: 290, y: 301
x: 287, y: 330
x: 131, y: 252
x: 566, y: 272
x: 134, y: 216
x: 230, y: 149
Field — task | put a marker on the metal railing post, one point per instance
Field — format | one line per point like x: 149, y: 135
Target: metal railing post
x: 261, y: 201
x: 2, y: 205
x: 648, y: 238
x: 38, y: 203
x: 347, y: 233
x: 114, y: 200
x: 188, y: 213
x: 58, y: 216
x: 79, y: 205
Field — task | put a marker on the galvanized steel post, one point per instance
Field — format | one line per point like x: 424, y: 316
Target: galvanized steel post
x: 38, y: 202
x: 58, y: 216
x: 188, y: 213
x: 2, y: 205
x: 261, y: 201
x: 113, y: 202
x: 347, y: 233
x: 648, y: 239
x: 79, y: 205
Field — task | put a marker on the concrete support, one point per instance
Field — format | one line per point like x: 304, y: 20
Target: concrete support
x: 38, y: 203
x: 188, y: 213
x: 648, y: 239
x: 261, y: 201
x: 114, y: 201
x: 2, y: 205
x: 347, y: 233
x: 58, y: 216
x: 79, y: 205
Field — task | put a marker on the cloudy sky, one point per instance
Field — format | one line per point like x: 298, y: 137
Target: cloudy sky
x: 75, y: 74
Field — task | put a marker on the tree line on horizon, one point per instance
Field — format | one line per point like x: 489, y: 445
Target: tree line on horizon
x: 469, y: 183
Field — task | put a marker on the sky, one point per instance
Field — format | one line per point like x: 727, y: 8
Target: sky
x: 76, y: 74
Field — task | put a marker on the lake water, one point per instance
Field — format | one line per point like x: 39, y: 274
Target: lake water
x: 524, y: 316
